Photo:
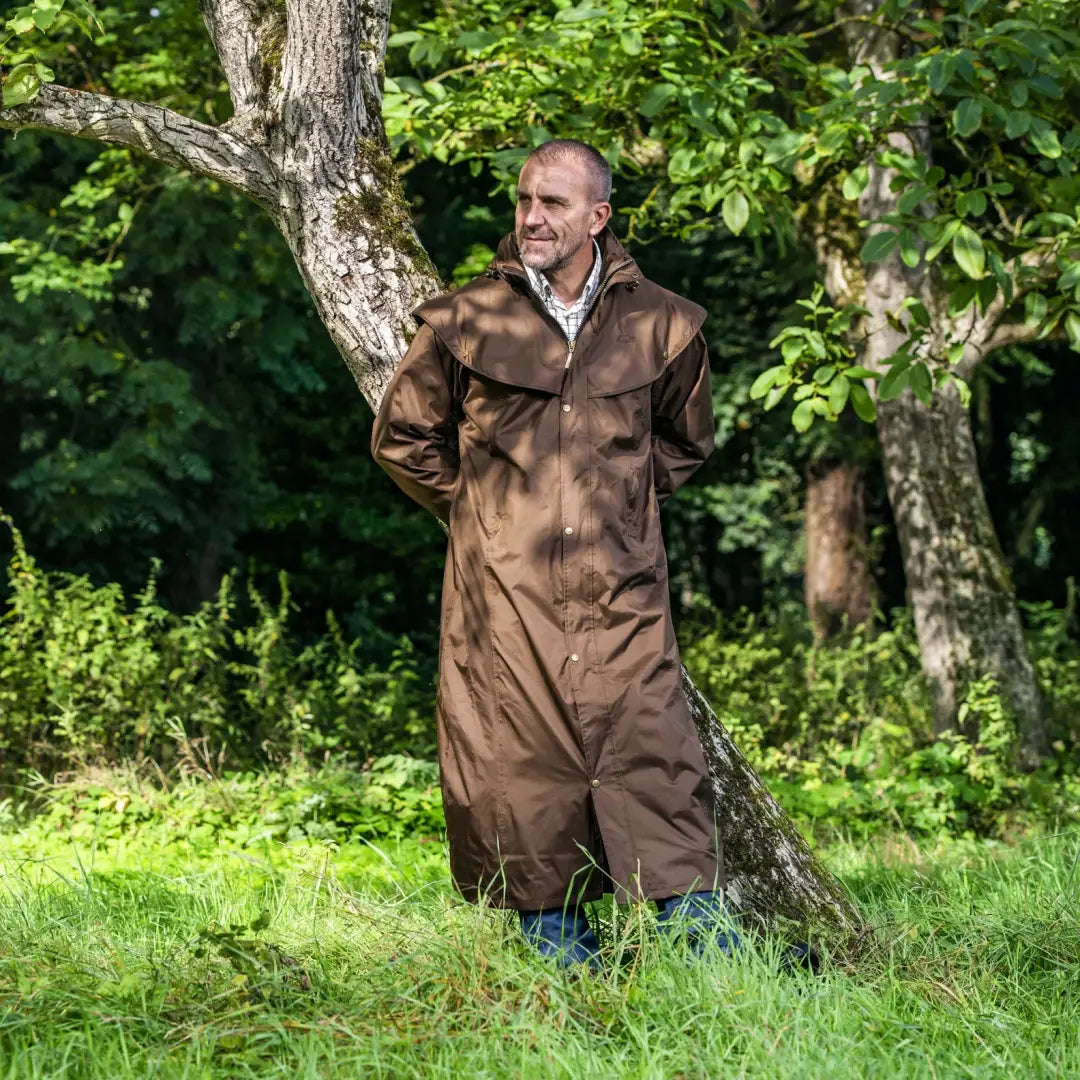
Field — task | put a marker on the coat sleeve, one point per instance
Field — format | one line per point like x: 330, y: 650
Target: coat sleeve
x: 682, y: 419
x: 415, y: 433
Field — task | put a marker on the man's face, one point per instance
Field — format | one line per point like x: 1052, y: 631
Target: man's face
x: 557, y: 213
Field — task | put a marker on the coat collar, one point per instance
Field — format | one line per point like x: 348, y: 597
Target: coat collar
x: 616, y: 263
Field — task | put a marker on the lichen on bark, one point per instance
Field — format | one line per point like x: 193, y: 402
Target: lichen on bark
x: 379, y: 209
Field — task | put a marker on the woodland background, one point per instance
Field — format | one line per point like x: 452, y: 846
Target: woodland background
x: 220, y: 617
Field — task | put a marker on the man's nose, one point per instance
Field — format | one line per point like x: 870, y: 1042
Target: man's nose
x: 535, y: 217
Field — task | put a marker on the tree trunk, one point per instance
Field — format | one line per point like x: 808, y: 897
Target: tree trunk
x: 958, y: 583
x: 959, y: 587
x: 307, y: 143
x: 837, y: 579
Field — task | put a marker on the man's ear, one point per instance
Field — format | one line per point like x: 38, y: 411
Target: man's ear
x: 601, y: 216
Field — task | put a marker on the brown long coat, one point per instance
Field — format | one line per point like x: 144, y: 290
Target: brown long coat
x: 564, y: 735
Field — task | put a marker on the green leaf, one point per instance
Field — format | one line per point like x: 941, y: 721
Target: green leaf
x: 920, y: 382
x: 855, y: 182
x: 45, y: 16
x: 955, y: 353
x: 579, y: 14
x: 832, y: 139
x: 856, y: 371
x: 962, y: 297
x: 969, y: 252
x: 895, y: 381
x: 1071, y: 278
x: 943, y: 237
x: 879, y: 246
x: 782, y: 146
x: 406, y: 37
x: 803, y: 416
x: 656, y: 98
x: 909, y: 248
x: 767, y: 380
x: 919, y: 315
x: 22, y: 25
x: 475, y: 40
x: 1035, y: 306
x: 838, y: 395
x: 967, y: 117
x: 792, y: 348
x: 775, y: 395
x: 22, y: 85
x: 632, y: 42
x: 1044, y: 138
x: 701, y: 104
x: 912, y: 197
x: 1017, y: 124
x: 942, y: 67
x: 735, y: 211
x: 963, y: 390
x: 862, y: 403
x: 1072, y: 328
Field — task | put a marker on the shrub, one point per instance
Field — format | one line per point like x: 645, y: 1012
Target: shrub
x: 87, y: 674
x: 844, y: 734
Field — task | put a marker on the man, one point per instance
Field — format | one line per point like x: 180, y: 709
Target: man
x: 544, y: 412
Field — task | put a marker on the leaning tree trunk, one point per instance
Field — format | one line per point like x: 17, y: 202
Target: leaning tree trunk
x: 837, y: 579
x: 959, y: 587
x: 307, y: 143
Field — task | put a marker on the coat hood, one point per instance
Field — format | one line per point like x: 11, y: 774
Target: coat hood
x: 497, y: 327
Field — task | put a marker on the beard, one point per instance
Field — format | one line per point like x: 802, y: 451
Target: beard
x: 554, y: 254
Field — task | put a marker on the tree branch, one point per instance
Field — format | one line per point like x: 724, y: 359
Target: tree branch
x: 1009, y: 334
x: 235, y: 28
x: 987, y: 332
x: 159, y: 133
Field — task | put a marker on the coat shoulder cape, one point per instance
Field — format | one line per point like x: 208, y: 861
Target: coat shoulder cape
x: 493, y: 327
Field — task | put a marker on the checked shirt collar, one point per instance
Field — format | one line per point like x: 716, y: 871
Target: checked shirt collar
x: 569, y: 318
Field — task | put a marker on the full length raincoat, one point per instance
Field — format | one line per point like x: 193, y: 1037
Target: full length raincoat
x: 570, y: 765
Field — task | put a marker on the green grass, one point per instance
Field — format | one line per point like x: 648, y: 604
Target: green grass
x: 294, y: 960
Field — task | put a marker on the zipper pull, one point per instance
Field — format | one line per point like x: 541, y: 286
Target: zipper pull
x: 569, y: 354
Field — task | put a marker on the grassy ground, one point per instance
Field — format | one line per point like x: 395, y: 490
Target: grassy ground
x: 142, y: 959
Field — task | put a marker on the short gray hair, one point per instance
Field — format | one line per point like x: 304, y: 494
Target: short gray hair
x: 597, y: 168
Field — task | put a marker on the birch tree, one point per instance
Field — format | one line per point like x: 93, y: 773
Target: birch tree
x: 306, y: 141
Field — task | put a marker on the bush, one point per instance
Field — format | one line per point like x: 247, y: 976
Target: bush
x: 87, y: 674
x: 844, y: 734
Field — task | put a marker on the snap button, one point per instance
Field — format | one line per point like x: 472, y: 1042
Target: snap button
x: 574, y: 656
x: 566, y: 408
x: 596, y: 783
x: 568, y: 530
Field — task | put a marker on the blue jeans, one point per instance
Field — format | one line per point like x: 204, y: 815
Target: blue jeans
x: 565, y: 934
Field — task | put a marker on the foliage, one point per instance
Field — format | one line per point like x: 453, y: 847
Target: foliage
x: 295, y: 960
x: 390, y: 798
x: 844, y: 735
x: 86, y: 673
x: 774, y: 133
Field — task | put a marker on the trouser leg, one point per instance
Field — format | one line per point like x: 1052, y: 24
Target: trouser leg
x: 704, y: 916
x: 562, y: 933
